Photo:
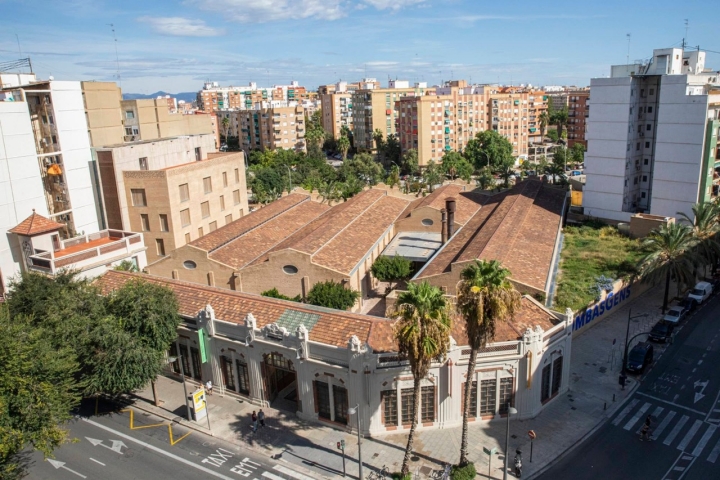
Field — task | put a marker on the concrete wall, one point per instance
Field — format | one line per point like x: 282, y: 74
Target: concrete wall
x: 413, y: 223
x: 103, y: 113
x: 206, y: 271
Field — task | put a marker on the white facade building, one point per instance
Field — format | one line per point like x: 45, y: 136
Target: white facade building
x: 652, y: 137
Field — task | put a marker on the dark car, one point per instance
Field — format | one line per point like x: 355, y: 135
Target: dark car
x: 688, y: 304
x: 640, y: 357
x: 661, y: 332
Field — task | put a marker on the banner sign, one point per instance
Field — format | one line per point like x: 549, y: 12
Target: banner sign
x: 600, y: 308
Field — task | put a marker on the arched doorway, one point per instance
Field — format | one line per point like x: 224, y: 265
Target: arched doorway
x: 280, y: 381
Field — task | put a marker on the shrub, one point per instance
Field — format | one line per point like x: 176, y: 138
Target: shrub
x: 466, y: 472
x: 332, y: 294
x: 274, y: 293
x: 391, y: 269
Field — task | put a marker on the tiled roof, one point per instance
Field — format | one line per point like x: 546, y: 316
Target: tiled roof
x: 331, y: 327
x: 517, y: 227
x: 466, y: 203
x: 243, y: 250
x: 36, y: 224
x: 244, y: 224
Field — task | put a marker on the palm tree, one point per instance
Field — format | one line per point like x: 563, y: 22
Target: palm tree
x: 423, y: 335
x: 544, y: 120
x: 226, y: 127
x: 705, y: 228
x: 378, y: 138
x: 343, y: 144
x: 668, y: 254
x: 484, y: 296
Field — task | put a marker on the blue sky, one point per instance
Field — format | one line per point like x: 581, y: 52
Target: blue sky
x: 177, y: 45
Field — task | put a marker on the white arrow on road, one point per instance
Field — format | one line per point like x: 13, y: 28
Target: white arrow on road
x: 117, y: 445
x: 699, y: 395
x: 58, y: 465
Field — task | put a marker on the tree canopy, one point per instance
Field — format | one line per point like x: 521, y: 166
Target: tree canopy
x: 391, y: 269
x: 488, y: 148
x: 332, y: 294
x: 456, y: 165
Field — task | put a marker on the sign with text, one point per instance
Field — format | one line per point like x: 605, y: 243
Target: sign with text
x: 199, y: 405
x: 599, y: 309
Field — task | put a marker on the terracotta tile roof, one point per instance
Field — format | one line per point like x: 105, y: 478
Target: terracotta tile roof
x: 243, y: 250
x: 466, y: 203
x: 36, y: 224
x: 243, y: 225
x: 333, y: 327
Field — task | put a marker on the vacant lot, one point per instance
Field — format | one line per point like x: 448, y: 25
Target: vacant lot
x: 588, y: 252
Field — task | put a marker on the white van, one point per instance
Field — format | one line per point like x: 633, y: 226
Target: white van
x: 701, y: 292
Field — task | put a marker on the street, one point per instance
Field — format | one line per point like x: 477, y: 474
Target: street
x: 682, y: 394
x: 130, y: 444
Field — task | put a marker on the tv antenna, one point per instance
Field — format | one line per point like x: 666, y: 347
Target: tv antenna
x: 628, y: 52
x: 686, y: 34
x: 117, y: 59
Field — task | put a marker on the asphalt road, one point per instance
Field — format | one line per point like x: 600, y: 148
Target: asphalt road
x: 106, y: 447
x: 682, y: 394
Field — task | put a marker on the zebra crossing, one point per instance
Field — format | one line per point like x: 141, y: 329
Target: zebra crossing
x: 684, y: 430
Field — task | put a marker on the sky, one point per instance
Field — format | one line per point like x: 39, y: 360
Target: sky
x: 177, y: 45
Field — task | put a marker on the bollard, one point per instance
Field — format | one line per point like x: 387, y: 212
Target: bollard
x: 613, y: 397
x: 605, y: 406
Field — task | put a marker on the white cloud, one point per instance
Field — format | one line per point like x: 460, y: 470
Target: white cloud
x: 247, y: 11
x: 181, y: 27
x: 393, y: 4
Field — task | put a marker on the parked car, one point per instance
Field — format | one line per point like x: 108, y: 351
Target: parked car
x: 701, y: 292
x: 640, y: 357
x: 688, y: 304
x: 674, y: 315
x: 661, y: 331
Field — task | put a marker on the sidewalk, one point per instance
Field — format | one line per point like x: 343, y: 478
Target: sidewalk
x: 594, y: 395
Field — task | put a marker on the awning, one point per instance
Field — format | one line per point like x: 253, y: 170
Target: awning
x: 54, y: 169
x: 415, y: 246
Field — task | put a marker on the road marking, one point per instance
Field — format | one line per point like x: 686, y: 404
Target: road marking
x: 671, y: 403
x: 637, y: 416
x: 97, y: 461
x: 158, y: 450
x: 714, y: 453
x: 117, y: 445
x: 674, y: 432
x: 693, y: 370
x: 663, y: 424
x: 655, y: 415
x: 169, y: 427
x: 271, y: 476
x: 682, y: 470
x: 58, y: 465
x: 624, y: 412
x: 700, y: 362
x: 688, y: 437
x: 704, y: 440
x: 291, y: 473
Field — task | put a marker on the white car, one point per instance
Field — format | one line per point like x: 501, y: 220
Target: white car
x: 701, y: 292
x: 674, y: 315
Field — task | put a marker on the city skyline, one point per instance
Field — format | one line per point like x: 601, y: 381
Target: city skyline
x: 176, y: 46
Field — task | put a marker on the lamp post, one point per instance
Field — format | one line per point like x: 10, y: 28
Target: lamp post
x: 182, y: 373
x: 353, y: 411
x: 511, y: 411
x: 627, y: 335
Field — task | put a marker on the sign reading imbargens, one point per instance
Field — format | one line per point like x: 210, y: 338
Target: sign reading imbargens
x: 600, y: 308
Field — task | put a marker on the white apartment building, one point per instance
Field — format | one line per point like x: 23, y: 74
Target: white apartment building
x: 652, y: 137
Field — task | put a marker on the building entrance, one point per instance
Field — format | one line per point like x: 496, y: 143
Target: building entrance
x: 280, y: 381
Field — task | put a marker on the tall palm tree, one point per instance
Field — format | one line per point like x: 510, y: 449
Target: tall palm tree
x: 484, y: 297
x: 423, y: 334
x: 226, y: 127
x: 378, y: 137
x: 544, y: 119
x: 343, y: 144
x: 705, y: 227
x: 668, y: 254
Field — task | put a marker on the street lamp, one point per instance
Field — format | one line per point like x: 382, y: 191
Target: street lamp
x: 627, y: 335
x: 511, y: 411
x: 352, y: 411
x: 182, y: 373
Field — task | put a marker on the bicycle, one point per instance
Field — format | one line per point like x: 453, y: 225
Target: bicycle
x: 379, y: 476
x: 443, y: 474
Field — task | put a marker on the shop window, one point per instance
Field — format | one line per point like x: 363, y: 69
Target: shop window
x: 488, y: 389
x: 473, y: 400
x: 340, y: 402
x: 406, y: 405
x: 243, y: 377
x: 557, y: 375
x: 506, y: 393
x: 427, y: 404
x: 390, y: 412
x: 322, y: 396
x: 227, y: 375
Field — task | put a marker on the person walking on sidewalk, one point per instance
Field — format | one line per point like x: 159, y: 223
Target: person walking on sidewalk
x: 261, y: 417
x: 254, y: 421
x: 208, y: 387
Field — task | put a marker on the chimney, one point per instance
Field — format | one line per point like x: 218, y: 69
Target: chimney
x: 450, y: 207
x: 443, y: 232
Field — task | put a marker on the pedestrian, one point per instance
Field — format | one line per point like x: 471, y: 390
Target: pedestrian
x: 254, y: 421
x: 261, y: 417
x: 208, y: 387
x: 645, y: 431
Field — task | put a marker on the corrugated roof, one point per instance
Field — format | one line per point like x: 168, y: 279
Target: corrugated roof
x: 36, y: 224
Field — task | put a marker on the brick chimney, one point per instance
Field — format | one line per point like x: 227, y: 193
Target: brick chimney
x: 443, y: 231
x: 450, y: 207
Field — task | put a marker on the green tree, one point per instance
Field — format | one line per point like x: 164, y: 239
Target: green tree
x: 488, y: 148
x: 378, y: 138
x: 343, y: 144
x: 705, y: 229
x: 275, y: 293
x: 668, y: 254
x: 126, y: 266
x: 432, y: 175
x: 38, y: 391
x: 410, y: 163
x: 329, y: 192
x: 544, y: 119
x: 332, y: 294
x: 559, y: 118
x: 269, y: 179
x: 484, y: 297
x: 346, y: 132
x: 485, y: 179
x: 226, y: 127
x: 391, y: 150
x: 314, y: 134
x: 394, y: 176
x: 456, y: 165
x: 391, y: 269
x: 577, y: 153
x: 364, y: 167
x: 423, y: 335
x: 553, y: 136
x: 506, y: 170
x: 543, y: 165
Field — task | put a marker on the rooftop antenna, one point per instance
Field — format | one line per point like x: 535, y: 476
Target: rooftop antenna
x: 117, y: 59
x: 18, y: 42
x: 686, y: 33
x: 628, y: 53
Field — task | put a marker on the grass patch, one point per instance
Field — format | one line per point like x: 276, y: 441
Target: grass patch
x: 590, y: 251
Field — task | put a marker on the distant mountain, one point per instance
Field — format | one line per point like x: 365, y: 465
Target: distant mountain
x: 187, y: 96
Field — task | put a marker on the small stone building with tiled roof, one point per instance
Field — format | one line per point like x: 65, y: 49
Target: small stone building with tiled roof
x: 317, y: 362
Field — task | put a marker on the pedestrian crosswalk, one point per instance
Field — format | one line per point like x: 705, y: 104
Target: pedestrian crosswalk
x: 687, y: 431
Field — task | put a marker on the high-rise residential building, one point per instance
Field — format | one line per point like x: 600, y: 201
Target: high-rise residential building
x: 377, y: 109
x: 575, y: 100
x: 214, y: 97
x: 447, y: 118
x: 652, y: 137
x: 103, y: 113
x: 150, y: 119
x: 337, y: 109
x: 267, y: 128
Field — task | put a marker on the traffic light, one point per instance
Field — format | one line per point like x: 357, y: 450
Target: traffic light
x: 338, y: 446
x: 341, y: 445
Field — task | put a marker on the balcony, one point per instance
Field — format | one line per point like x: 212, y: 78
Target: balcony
x: 89, y: 252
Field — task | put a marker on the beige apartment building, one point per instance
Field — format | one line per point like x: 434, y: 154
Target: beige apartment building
x: 213, y: 97
x: 150, y: 120
x: 336, y: 112
x: 270, y: 128
x: 377, y: 108
x: 103, y: 113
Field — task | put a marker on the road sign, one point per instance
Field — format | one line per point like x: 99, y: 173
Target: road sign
x: 490, y: 451
x: 532, y: 435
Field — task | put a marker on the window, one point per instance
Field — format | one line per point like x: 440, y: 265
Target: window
x: 557, y: 374
x: 643, y: 195
x: 138, y: 197
x: 649, y: 109
x: 506, y: 393
x: 427, y: 404
x: 340, y: 402
x: 545, y: 385
x: 227, y: 374
x: 207, y: 184
x: 185, y: 217
x: 129, y: 114
x: 644, y: 178
x: 198, y: 154
x: 205, y: 209
x: 487, y: 397
x: 144, y: 222
x: 290, y: 269
x: 647, y: 144
x: 213, y: 226
x: 389, y: 402
x: 243, y: 377
x: 637, y: 146
x: 406, y: 405
x: 322, y: 396
x: 473, y: 400
x: 200, y: 231
x: 160, y: 246
x: 222, y: 202
x: 646, y: 161
x: 143, y: 163
x: 652, y: 91
x: 228, y: 218
x: 648, y: 128
x: 237, y: 175
x: 236, y: 197
x: 184, y: 192
x: 189, y: 264
x: 187, y: 238
x: 225, y: 181
x: 164, y: 226
x: 427, y: 222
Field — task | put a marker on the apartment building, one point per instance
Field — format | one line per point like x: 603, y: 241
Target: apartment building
x: 652, y: 137
x: 337, y: 109
x: 576, y: 100
x: 377, y: 108
x: 150, y: 119
x: 103, y: 113
x: 214, y: 97
x: 269, y: 128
